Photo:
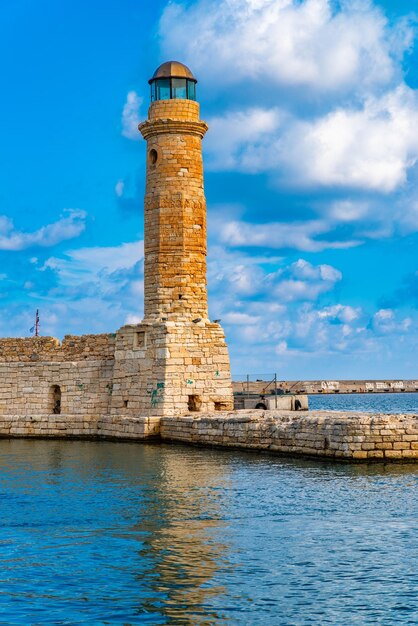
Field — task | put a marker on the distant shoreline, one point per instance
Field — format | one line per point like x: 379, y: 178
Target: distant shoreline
x: 323, y: 387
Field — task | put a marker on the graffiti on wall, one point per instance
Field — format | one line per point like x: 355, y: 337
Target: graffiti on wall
x: 156, y: 393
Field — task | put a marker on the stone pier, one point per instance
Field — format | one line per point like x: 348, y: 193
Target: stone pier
x: 355, y: 437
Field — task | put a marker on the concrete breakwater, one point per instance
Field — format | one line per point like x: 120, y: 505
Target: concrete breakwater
x: 322, y: 434
x: 249, y: 387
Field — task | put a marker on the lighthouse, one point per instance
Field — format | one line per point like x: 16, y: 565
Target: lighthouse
x: 175, y: 362
x: 175, y: 205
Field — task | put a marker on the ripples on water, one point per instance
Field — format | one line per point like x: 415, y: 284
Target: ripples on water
x: 100, y: 532
x: 369, y: 402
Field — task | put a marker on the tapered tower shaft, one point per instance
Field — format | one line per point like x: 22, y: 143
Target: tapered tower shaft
x: 175, y: 212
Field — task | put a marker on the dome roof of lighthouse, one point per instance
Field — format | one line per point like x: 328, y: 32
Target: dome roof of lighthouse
x: 173, y: 69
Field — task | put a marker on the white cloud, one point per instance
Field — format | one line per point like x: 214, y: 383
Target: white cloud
x: 281, y: 347
x: 343, y: 313
x: 234, y: 137
x: 285, y: 42
x: 303, y: 270
x: 245, y: 279
x: 353, y: 129
x: 71, y: 225
x: 385, y: 322
x: 302, y: 281
x: 369, y: 147
x: 119, y: 188
x: 276, y: 235
x: 348, y: 210
x: 262, y: 298
x: 292, y: 312
x: 133, y: 319
x: 99, y: 287
x: 130, y: 116
x: 240, y: 319
x: 234, y: 273
x: 372, y: 147
x: 93, y: 263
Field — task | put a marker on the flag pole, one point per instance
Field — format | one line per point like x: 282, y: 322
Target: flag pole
x: 37, y: 323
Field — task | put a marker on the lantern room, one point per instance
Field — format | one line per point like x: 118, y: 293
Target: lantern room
x: 173, y: 80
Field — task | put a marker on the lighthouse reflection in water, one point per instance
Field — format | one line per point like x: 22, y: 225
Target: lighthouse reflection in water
x: 121, y: 533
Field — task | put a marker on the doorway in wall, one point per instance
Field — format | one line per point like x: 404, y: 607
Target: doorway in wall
x: 55, y: 399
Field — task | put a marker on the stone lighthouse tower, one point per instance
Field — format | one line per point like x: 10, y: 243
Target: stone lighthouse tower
x: 176, y: 361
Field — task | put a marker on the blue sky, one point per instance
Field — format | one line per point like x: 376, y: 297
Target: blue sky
x: 310, y: 160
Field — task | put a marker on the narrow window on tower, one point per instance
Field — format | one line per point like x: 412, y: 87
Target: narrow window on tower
x: 153, y: 156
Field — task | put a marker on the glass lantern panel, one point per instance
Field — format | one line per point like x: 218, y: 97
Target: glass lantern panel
x: 163, y: 89
x: 191, y: 89
x: 179, y: 88
x: 153, y: 92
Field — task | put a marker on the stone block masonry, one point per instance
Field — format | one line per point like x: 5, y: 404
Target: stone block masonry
x: 40, y: 375
x: 79, y: 427
x: 355, y: 437
x: 321, y: 434
x: 185, y: 364
x: 36, y: 349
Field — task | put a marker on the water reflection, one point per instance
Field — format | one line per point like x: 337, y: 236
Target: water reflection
x: 184, y: 544
x: 148, y: 514
x: 127, y: 533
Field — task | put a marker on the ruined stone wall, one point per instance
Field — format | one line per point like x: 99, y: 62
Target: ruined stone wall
x: 33, y: 349
x: 144, y: 370
x: 82, y: 368
x: 324, y: 434
x: 164, y: 368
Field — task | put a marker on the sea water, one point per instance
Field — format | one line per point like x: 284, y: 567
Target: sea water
x: 368, y: 402
x: 130, y: 533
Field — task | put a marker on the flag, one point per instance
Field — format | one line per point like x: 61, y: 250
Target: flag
x: 35, y: 329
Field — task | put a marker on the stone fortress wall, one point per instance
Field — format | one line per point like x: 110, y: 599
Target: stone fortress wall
x: 100, y: 398
x: 140, y: 371
x: 32, y: 369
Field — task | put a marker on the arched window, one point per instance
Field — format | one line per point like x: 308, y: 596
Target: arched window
x: 55, y: 399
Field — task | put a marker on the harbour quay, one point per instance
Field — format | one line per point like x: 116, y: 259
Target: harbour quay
x: 332, y: 435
